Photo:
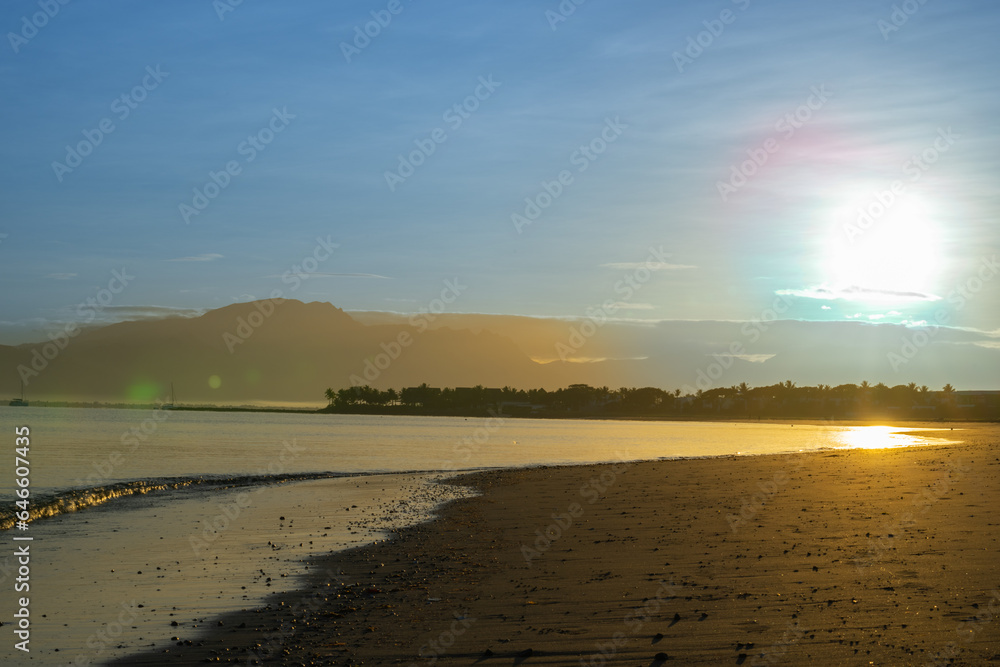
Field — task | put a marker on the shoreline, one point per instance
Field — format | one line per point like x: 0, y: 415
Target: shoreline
x: 853, y: 420
x: 841, y: 557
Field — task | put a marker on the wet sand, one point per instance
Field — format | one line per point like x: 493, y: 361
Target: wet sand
x: 883, y: 557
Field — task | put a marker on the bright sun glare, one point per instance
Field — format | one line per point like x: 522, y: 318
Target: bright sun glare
x: 875, y: 437
x: 894, y: 248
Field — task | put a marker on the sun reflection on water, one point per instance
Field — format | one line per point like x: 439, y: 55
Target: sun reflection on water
x: 881, y: 437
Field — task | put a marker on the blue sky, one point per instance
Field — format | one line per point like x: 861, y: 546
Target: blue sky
x: 868, y: 98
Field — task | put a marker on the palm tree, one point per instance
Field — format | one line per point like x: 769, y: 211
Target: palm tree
x: 744, y: 392
x: 331, y: 396
x: 864, y: 392
x: 881, y: 393
x: 948, y: 398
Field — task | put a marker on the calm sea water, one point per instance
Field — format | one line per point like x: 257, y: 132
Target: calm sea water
x: 157, y: 517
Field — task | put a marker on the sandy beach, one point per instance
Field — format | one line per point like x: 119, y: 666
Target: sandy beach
x: 859, y: 557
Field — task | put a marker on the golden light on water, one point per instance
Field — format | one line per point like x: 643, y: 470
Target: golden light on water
x: 877, y: 437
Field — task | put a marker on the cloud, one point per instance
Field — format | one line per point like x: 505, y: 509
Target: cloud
x: 61, y: 276
x: 585, y: 360
x: 752, y: 358
x: 349, y: 275
x: 37, y: 328
x: 208, y: 257
x: 150, y: 312
x: 625, y: 305
x: 651, y: 266
x: 855, y: 293
x: 337, y: 275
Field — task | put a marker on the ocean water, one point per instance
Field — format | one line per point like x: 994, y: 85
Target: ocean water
x: 147, y: 524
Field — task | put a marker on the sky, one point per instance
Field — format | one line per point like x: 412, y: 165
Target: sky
x: 695, y: 161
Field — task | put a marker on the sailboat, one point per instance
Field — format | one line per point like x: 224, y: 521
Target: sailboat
x: 19, y: 402
x: 170, y: 405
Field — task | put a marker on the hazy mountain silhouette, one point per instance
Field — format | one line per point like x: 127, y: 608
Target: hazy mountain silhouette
x: 300, y: 349
x: 292, y: 355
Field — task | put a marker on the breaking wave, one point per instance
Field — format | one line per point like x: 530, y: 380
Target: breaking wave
x: 43, y: 506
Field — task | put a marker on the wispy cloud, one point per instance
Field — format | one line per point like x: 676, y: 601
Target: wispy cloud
x: 652, y: 266
x: 625, y: 305
x: 855, y: 293
x: 349, y: 275
x: 151, y: 312
x: 585, y: 360
x: 208, y: 257
x: 752, y: 358
x: 338, y: 275
x: 61, y: 276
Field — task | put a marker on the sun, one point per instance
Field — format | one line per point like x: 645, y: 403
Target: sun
x: 884, y: 246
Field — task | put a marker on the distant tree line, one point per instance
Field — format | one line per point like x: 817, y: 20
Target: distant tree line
x: 782, y: 400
